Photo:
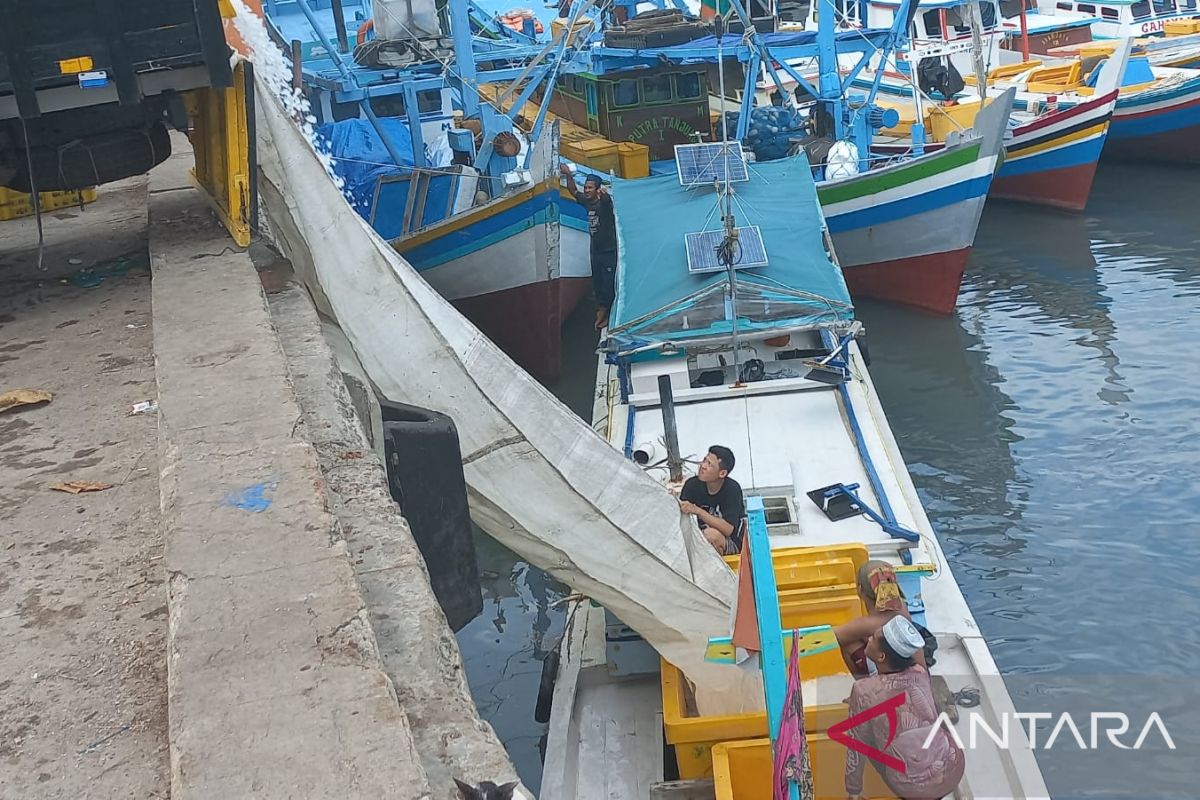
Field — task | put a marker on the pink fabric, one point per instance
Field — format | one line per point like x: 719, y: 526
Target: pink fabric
x: 931, y: 772
x: 791, y: 762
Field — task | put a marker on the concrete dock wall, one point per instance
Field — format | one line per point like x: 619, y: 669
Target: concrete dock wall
x: 418, y: 649
x: 276, y: 687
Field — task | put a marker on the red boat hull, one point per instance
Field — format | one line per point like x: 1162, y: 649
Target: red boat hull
x: 526, y: 322
x: 1067, y: 188
x: 930, y: 283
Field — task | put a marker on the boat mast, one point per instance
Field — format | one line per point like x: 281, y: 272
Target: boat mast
x: 728, y: 246
x: 975, y: 17
x: 464, y: 57
x: 1024, y: 34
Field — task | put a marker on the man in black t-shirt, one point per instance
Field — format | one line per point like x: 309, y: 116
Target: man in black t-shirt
x: 716, y: 501
x: 602, y: 228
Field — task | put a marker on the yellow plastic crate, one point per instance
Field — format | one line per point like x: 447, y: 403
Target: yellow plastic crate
x: 694, y: 736
x: 792, y: 564
x: 634, y: 159
x: 559, y: 26
x: 742, y: 770
x: 1181, y: 27
x: 14, y: 205
x: 600, y: 155
x: 941, y: 121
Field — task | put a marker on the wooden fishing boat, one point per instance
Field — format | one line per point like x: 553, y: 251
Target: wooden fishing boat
x: 483, y: 224
x: 903, y: 232
x: 1125, y: 19
x: 1156, y: 117
x: 902, y: 225
x: 1158, y: 107
x: 1051, y: 153
x: 761, y: 355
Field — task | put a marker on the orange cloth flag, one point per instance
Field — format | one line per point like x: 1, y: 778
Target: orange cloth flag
x: 745, y: 613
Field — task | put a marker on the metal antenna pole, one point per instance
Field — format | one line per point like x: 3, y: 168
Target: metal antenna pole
x: 725, y: 251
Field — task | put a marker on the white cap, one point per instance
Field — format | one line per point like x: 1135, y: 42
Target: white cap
x: 903, y: 637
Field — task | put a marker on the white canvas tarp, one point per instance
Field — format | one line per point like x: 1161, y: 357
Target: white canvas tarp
x: 540, y: 480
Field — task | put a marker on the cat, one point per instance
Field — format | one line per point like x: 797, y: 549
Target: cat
x: 486, y: 790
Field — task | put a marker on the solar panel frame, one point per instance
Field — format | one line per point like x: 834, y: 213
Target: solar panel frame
x: 690, y: 159
x: 701, y: 250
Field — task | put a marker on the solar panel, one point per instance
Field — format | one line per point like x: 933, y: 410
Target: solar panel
x: 704, y: 163
x: 702, y: 250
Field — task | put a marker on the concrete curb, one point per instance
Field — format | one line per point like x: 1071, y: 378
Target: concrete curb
x: 275, y: 684
x: 418, y: 649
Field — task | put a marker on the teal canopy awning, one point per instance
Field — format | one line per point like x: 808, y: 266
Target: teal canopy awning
x: 658, y: 300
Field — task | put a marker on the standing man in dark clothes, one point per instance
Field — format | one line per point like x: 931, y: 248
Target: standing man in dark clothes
x: 716, y: 501
x: 602, y: 226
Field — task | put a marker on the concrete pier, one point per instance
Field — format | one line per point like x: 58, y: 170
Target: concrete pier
x: 83, y: 604
x: 244, y: 613
x: 275, y: 685
x: 418, y: 650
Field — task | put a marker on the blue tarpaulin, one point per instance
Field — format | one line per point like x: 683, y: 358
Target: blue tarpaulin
x: 360, y: 159
x: 659, y: 300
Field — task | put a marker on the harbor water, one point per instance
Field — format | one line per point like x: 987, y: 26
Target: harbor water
x: 1050, y: 427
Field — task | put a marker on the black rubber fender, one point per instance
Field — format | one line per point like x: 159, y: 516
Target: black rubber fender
x: 425, y: 476
x: 545, y: 698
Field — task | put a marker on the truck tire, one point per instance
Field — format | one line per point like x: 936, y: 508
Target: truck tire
x: 93, y: 161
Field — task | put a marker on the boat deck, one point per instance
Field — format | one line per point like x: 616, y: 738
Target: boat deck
x: 774, y: 430
x: 613, y: 738
x: 614, y: 747
x: 790, y: 436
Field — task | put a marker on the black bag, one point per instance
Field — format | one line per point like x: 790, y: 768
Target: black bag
x: 931, y: 644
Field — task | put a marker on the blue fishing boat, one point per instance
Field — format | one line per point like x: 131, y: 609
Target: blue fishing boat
x: 471, y: 198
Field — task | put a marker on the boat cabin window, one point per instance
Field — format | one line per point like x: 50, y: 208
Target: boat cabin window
x: 573, y: 84
x: 1063, y: 6
x: 689, y: 87
x: 1187, y: 5
x: 933, y: 24
x: 1011, y: 9
x: 392, y: 105
x: 1141, y: 9
x: 956, y: 18
x: 656, y: 89
x: 625, y: 93
x: 388, y: 105
x: 1084, y: 8
x: 987, y: 13
x: 1109, y: 13
x: 1164, y: 7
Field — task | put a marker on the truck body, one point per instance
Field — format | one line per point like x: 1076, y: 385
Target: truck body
x: 89, y: 87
